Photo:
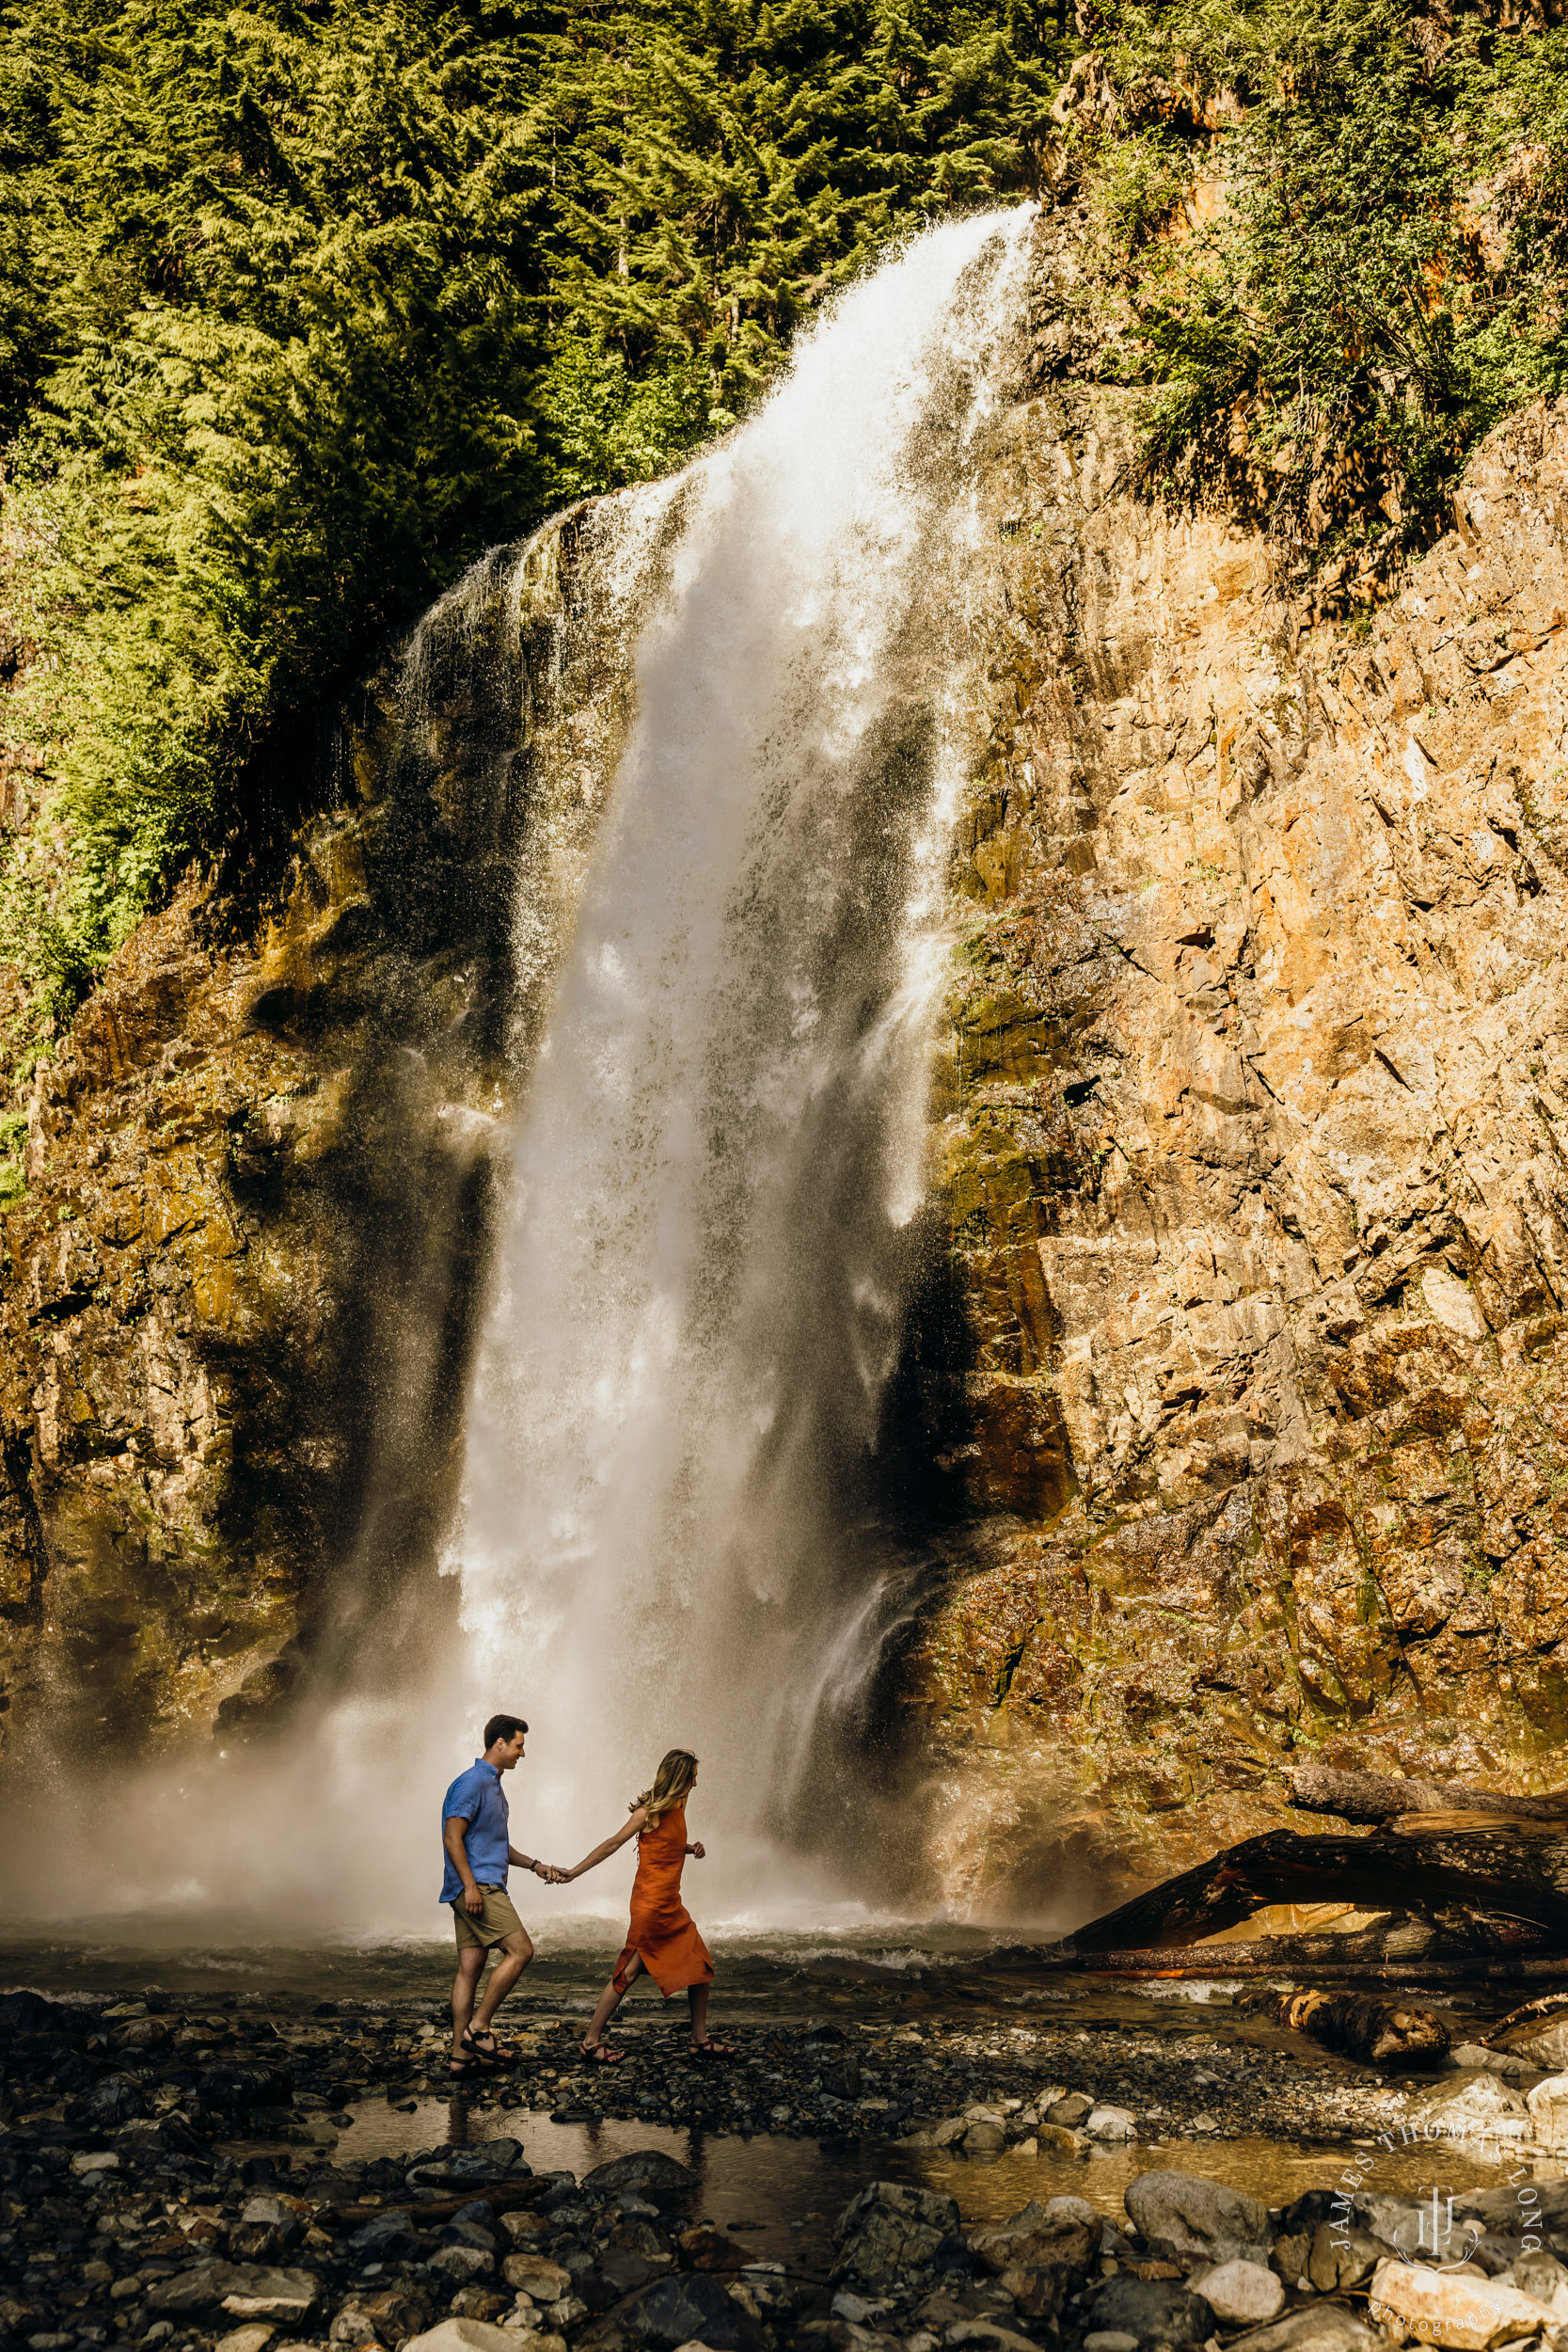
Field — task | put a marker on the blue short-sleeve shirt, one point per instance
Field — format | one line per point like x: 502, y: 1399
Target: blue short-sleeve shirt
x: 478, y: 1796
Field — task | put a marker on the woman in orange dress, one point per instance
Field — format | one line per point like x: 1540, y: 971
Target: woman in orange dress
x: 663, y: 1940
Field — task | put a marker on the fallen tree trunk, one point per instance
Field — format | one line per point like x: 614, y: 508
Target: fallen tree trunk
x: 1438, y: 1824
x: 1216, y: 1962
x: 1362, y: 2027
x: 1383, y: 1796
x: 1480, y: 1875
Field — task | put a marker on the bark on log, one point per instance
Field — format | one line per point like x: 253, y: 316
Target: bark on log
x: 1544, y: 2004
x: 1469, y: 1871
x: 1436, y: 1824
x: 1362, y: 2028
x: 1212, y: 1962
x: 1382, y: 1796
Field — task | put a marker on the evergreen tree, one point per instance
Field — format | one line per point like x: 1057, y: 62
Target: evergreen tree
x: 300, y: 309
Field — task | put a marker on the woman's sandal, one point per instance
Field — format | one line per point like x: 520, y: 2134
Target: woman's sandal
x: 599, y: 2054
x: 465, y: 2065
x: 712, y: 2049
x: 474, y: 2044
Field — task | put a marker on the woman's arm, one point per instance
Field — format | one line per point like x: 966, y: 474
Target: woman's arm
x: 638, y: 1821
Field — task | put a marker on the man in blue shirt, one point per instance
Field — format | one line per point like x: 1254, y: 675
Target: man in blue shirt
x: 476, y: 1841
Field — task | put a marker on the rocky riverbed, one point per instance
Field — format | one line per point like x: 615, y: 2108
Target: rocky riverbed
x: 174, y: 2178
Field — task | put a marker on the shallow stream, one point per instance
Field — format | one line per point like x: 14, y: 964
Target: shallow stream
x: 784, y: 2192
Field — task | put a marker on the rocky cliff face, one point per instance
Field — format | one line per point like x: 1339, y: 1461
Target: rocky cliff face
x: 1246, y: 1359
x: 237, y: 1296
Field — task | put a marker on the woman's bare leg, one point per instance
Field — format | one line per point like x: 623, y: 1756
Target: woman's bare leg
x: 610, y: 2001
x: 697, y: 1996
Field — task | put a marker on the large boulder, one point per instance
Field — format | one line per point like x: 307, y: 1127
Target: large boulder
x: 1321, y: 2327
x: 1040, y: 2238
x: 33, y: 2012
x: 467, y: 2264
x: 691, y: 2307
x: 538, y: 2278
x: 1469, y: 2100
x: 619, y: 2272
x: 1243, y: 2295
x: 492, y: 2161
x: 279, y: 2295
x: 1548, y: 2111
x: 1402, y: 2225
x: 1343, y: 2256
x: 1440, y: 2307
x: 1180, y: 2213
x: 368, y: 2318
x: 1151, y: 2311
x: 247, y: 2290
x: 1543, y: 2279
x: 387, y: 2238
x: 1544, y: 2046
x: 463, y: 2335
x: 646, y: 2172
x: 116, y: 2100
x: 890, y: 2228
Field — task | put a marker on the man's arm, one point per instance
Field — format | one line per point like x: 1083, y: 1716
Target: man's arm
x: 454, y: 1830
x: 540, y: 1869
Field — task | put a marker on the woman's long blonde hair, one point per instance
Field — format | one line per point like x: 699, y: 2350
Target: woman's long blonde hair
x: 672, y: 1786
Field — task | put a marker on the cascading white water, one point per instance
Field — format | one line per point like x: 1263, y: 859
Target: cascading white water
x: 697, y: 1293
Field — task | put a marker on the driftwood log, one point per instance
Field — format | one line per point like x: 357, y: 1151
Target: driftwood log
x: 1383, y: 1796
x: 1544, y: 2004
x: 1518, y: 1886
x: 1362, y: 2027
x: 1220, y: 1962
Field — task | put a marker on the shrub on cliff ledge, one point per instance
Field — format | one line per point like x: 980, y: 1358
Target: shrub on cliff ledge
x: 1333, y: 241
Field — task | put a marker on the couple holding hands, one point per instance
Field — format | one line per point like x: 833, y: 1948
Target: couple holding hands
x: 661, y: 1940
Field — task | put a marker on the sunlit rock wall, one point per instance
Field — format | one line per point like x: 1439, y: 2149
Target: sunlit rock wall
x: 1244, y: 1364
x: 235, y: 1302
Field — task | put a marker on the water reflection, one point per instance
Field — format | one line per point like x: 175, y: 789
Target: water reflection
x: 785, y: 2195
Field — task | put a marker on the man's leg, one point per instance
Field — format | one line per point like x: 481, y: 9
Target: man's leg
x: 513, y: 1957
x: 470, y: 1967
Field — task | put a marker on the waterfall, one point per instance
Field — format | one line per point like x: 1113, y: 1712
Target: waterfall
x: 720, y: 727
x: 697, y: 1293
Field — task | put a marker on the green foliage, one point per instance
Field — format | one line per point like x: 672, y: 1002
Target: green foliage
x: 299, y: 309
x: 13, y: 1137
x: 1328, y: 303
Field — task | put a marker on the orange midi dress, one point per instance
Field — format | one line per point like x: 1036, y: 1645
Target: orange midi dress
x: 663, y: 1933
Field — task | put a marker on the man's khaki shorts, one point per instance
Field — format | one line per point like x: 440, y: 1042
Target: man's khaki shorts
x: 493, y: 1925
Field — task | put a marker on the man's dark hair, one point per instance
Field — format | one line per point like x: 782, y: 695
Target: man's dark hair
x: 502, y: 1727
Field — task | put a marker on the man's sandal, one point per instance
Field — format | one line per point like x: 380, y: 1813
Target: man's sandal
x: 599, y: 2054
x: 465, y: 2065
x: 712, y: 2049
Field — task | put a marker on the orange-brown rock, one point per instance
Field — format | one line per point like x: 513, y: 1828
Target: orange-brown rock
x: 235, y: 1299
x: 1253, y: 1410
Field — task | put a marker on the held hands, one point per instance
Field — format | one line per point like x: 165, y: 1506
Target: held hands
x: 697, y: 1851
x: 550, y: 1874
